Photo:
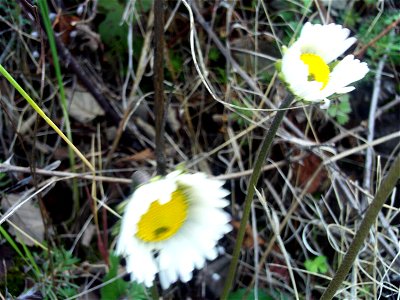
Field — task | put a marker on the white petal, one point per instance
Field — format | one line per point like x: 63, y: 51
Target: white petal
x: 194, y: 242
x: 328, y: 41
x: 164, y: 280
x: 350, y: 70
x: 165, y: 257
x: 345, y: 90
x: 185, y: 277
x: 212, y: 254
x: 325, y: 104
x: 345, y: 72
x: 185, y: 266
x: 167, y: 277
x: 142, y: 266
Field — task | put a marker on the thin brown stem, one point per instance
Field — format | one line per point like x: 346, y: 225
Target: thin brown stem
x: 159, y: 102
x: 360, y: 53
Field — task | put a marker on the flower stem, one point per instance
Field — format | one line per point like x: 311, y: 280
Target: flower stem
x: 262, y: 154
x: 154, y: 292
x: 159, y: 105
x: 382, y: 194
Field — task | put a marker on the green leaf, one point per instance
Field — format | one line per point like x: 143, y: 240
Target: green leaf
x: 344, y: 105
x: 68, y: 292
x: 306, y: 6
x: 317, y: 265
x: 4, y: 179
x: 342, y: 119
x: 144, y: 5
x: 120, y: 288
x: 242, y: 294
x: 214, y: 54
x: 113, y: 33
x: 240, y: 115
x: 222, y: 78
x: 340, y: 110
x: 176, y: 61
x: 332, y: 110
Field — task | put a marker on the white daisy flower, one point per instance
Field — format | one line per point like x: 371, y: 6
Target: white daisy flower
x: 306, y: 68
x: 171, y: 226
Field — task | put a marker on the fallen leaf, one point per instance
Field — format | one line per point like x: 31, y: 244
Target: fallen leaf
x: 304, y: 171
x: 248, y: 241
x: 84, y: 106
x: 140, y: 156
x: 27, y: 217
x: 88, y: 235
x: 63, y: 24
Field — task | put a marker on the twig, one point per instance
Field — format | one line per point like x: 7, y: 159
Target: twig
x: 144, y: 57
x: 10, y: 168
x: 360, y: 53
x: 346, y: 153
x: 67, y: 175
x: 371, y: 125
x: 326, y: 18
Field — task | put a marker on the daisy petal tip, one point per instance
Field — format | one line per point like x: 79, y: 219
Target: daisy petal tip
x: 346, y: 90
x: 325, y: 104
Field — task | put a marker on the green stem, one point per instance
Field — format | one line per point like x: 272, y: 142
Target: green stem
x: 382, y: 194
x: 260, y: 160
x: 154, y: 291
x: 36, y: 107
x: 44, y: 10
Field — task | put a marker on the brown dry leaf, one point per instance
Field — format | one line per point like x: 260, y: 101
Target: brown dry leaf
x: 28, y: 218
x: 278, y: 266
x: 64, y: 25
x: 74, y: 33
x: 140, y: 156
x: 304, y: 171
x: 84, y: 106
x: 248, y: 241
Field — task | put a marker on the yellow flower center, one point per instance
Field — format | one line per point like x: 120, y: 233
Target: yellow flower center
x: 318, y: 70
x: 162, y: 221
